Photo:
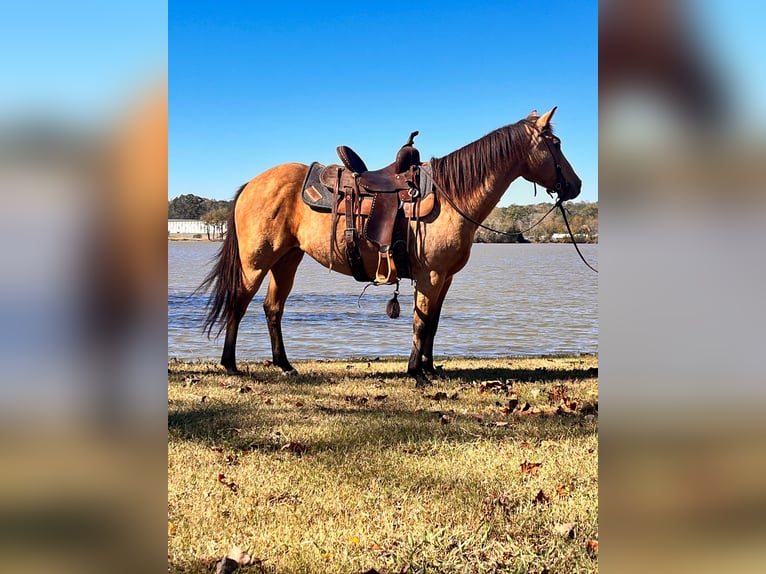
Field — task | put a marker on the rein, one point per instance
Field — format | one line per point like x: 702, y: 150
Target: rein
x: 470, y: 219
x: 560, y: 205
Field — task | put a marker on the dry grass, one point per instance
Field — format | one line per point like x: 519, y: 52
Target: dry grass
x: 348, y: 468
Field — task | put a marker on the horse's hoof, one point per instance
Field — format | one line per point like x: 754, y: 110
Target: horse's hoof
x: 291, y: 372
x: 234, y: 372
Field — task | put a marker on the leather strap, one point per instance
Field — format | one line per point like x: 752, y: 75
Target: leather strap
x: 352, y: 249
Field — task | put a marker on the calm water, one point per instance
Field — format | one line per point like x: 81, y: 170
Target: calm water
x: 509, y: 300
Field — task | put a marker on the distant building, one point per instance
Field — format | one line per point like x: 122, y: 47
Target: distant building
x: 186, y: 227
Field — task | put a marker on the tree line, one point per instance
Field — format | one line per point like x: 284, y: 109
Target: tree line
x: 582, y: 216
x: 514, y: 219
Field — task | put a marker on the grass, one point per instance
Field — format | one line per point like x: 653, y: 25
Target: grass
x: 348, y: 468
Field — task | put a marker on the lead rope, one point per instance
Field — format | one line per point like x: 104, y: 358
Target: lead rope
x: 560, y: 205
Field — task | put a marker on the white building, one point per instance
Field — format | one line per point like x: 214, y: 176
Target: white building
x: 186, y: 227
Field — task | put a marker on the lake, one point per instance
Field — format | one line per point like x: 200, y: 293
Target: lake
x: 510, y: 300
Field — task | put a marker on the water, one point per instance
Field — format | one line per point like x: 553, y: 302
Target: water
x: 510, y: 300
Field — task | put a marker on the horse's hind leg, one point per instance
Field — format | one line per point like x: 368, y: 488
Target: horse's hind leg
x: 239, y: 306
x: 280, y: 285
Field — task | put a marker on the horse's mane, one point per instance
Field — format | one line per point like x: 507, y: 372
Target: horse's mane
x: 465, y: 169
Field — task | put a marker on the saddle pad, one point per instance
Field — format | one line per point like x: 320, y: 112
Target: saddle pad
x: 313, y: 193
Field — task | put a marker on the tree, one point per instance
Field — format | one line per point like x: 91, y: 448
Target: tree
x: 215, y: 221
x: 190, y: 206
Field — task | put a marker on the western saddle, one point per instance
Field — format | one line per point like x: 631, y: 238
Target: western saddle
x: 372, y: 200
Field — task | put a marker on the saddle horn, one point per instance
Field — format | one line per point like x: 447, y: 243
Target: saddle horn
x: 411, y: 141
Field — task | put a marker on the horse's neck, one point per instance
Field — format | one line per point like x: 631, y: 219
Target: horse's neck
x: 487, y: 195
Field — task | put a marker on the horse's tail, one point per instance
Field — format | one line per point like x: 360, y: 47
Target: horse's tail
x: 225, y: 277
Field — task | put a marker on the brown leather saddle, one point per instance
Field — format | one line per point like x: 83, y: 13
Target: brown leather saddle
x: 372, y: 203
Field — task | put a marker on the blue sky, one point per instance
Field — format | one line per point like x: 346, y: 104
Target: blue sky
x: 253, y: 84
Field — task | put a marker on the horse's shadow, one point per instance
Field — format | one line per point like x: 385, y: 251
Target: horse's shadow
x: 246, y: 426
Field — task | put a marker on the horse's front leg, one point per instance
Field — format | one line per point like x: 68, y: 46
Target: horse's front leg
x: 425, y: 321
x: 428, y: 342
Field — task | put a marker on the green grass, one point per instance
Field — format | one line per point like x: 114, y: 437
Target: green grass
x: 347, y: 467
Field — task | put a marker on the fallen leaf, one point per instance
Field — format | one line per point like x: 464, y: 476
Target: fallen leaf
x: 376, y: 547
x: 541, y: 498
x: 295, y: 447
x: 172, y: 529
x: 445, y: 420
x: 592, y: 546
x: 245, y: 389
x: 530, y: 467
x: 562, y: 490
x: 566, y: 529
x: 268, y: 401
x: 588, y: 408
x: 495, y: 387
x: 190, y: 380
x: 354, y: 540
x: 559, y: 393
x: 226, y: 566
x: 266, y: 363
x: 234, y: 559
x: 498, y: 424
x: 525, y: 444
x: 230, y: 484
x: 299, y: 404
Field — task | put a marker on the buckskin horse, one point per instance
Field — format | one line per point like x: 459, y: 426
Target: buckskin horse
x: 272, y: 225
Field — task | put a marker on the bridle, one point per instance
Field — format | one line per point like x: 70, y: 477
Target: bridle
x: 552, y: 143
x: 560, y: 185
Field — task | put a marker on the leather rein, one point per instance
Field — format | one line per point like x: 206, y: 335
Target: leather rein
x: 558, y: 187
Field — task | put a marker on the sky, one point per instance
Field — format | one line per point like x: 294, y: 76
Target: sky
x: 253, y: 85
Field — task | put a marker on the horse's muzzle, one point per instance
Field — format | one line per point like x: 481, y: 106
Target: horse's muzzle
x: 568, y: 190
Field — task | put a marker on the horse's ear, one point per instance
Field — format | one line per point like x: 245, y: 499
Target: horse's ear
x: 545, y: 120
x: 532, y: 115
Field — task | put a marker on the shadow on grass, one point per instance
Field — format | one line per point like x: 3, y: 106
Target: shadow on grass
x: 540, y: 374
x: 246, y: 422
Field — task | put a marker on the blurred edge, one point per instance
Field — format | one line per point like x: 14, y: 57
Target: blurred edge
x: 83, y: 181
x: 681, y: 164
x: 682, y: 269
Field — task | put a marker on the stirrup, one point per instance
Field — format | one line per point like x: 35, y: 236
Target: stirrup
x: 386, y: 272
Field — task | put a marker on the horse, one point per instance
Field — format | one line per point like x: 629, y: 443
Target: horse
x: 270, y: 229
